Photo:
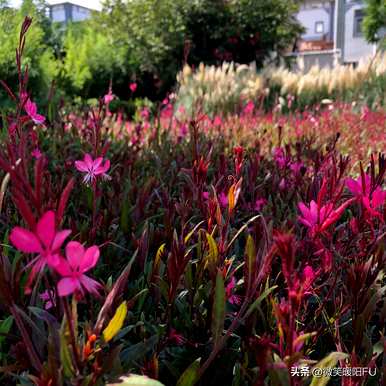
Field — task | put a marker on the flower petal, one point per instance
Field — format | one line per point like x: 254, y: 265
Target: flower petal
x: 62, y: 266
x: 45, y: 229
x: 25, y: 241
x: 97, y: 162
x: 59, y: 239
x: 90, y: 258
x: 89, y: 284
x: 67, y: 286
x: 38, y: 119
x: 88, y: 161
x: 103, y: 169
x: 81, y: 166
x: 74, y: 254
x: 305, y: 211
x: 53, y: 259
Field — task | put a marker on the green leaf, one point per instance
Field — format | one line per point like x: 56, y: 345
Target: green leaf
x: 139, y: 350
x: 329, y: 361
x: 250, y: 254
x: 258, y: 301
x: 65, y: 355
x: 5, y: 326
x: 124, y: 221
x: 191, y: 375
x: 136, y: 380
x: 212, y: 255
x: 218, y: 314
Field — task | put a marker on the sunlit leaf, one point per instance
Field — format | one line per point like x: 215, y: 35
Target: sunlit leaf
x: 115, y: 323
x: 191, y: 375
x: 218, y: 314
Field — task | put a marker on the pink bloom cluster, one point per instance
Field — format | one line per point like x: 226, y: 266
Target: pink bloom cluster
x: 46, y: 241
x: 318, y: 218
x: 32, y: 110
x: 361, y: 189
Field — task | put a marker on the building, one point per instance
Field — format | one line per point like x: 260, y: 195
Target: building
x: 68, y: 12
x: 333, y: 33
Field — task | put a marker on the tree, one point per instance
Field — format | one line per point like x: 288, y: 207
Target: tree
x: 37, y: 55
x: 241, y: 30
x: 375, y: 20
x: 158, y: 35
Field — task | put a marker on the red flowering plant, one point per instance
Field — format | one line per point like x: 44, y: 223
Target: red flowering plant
x: 195, y: 250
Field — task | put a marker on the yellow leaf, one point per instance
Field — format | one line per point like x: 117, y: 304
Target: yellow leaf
x: 115, y: 323
x: 212, y: 256
x: 157, y: 260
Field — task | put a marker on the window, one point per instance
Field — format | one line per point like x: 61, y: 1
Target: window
x: 319, y: 27
x: 358, y: 20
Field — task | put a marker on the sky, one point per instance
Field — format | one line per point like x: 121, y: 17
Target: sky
x: 93, y: 4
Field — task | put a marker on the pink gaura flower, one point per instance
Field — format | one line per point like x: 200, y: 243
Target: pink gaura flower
x: 318, y: 219
x: 296, y: 168
x: 229, y: 289
x: 79, y: 260
x: 184, y: 130
x: 32, y: 111
x: 248, y: 109
x: 108, y: 97
x: 361, y: 189
x: 279, y: 157
x: 222, y: 198
x: 36, y: 153
x: 92, y: 168
x: 48, y: 297
x: 177, y: 338
x: 133, y: 87
x: 308, y: 277
x: 217, y: 121
x: 260, y: 203
x: 45, y: 240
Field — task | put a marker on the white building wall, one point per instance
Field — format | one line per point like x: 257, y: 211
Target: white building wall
x: 79, y: 13
x: 58, y: 13
x: 308, y: 17
x: 355, y: 47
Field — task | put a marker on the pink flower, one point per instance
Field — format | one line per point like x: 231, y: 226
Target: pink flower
x: 108, y: 97
x: 279, y: 157
x: 184, y: 130
x: 217, y: 121
x: 308, y: 277
x: 79, y: 260
x: 361, y: 189
x: 223, y: 199
x: 229, y: 289
x: 36, y: 153
x: 260, y: 203
x: 45, y: 241
x: 48, y: 297
x: 92, y: 168
x: 133, y: 87
x: 296, y: 168
x: 32, y: 111
x: 177, y: 338
x: 248, y: 109
x: 145, y: 113
x: 319, y: 219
